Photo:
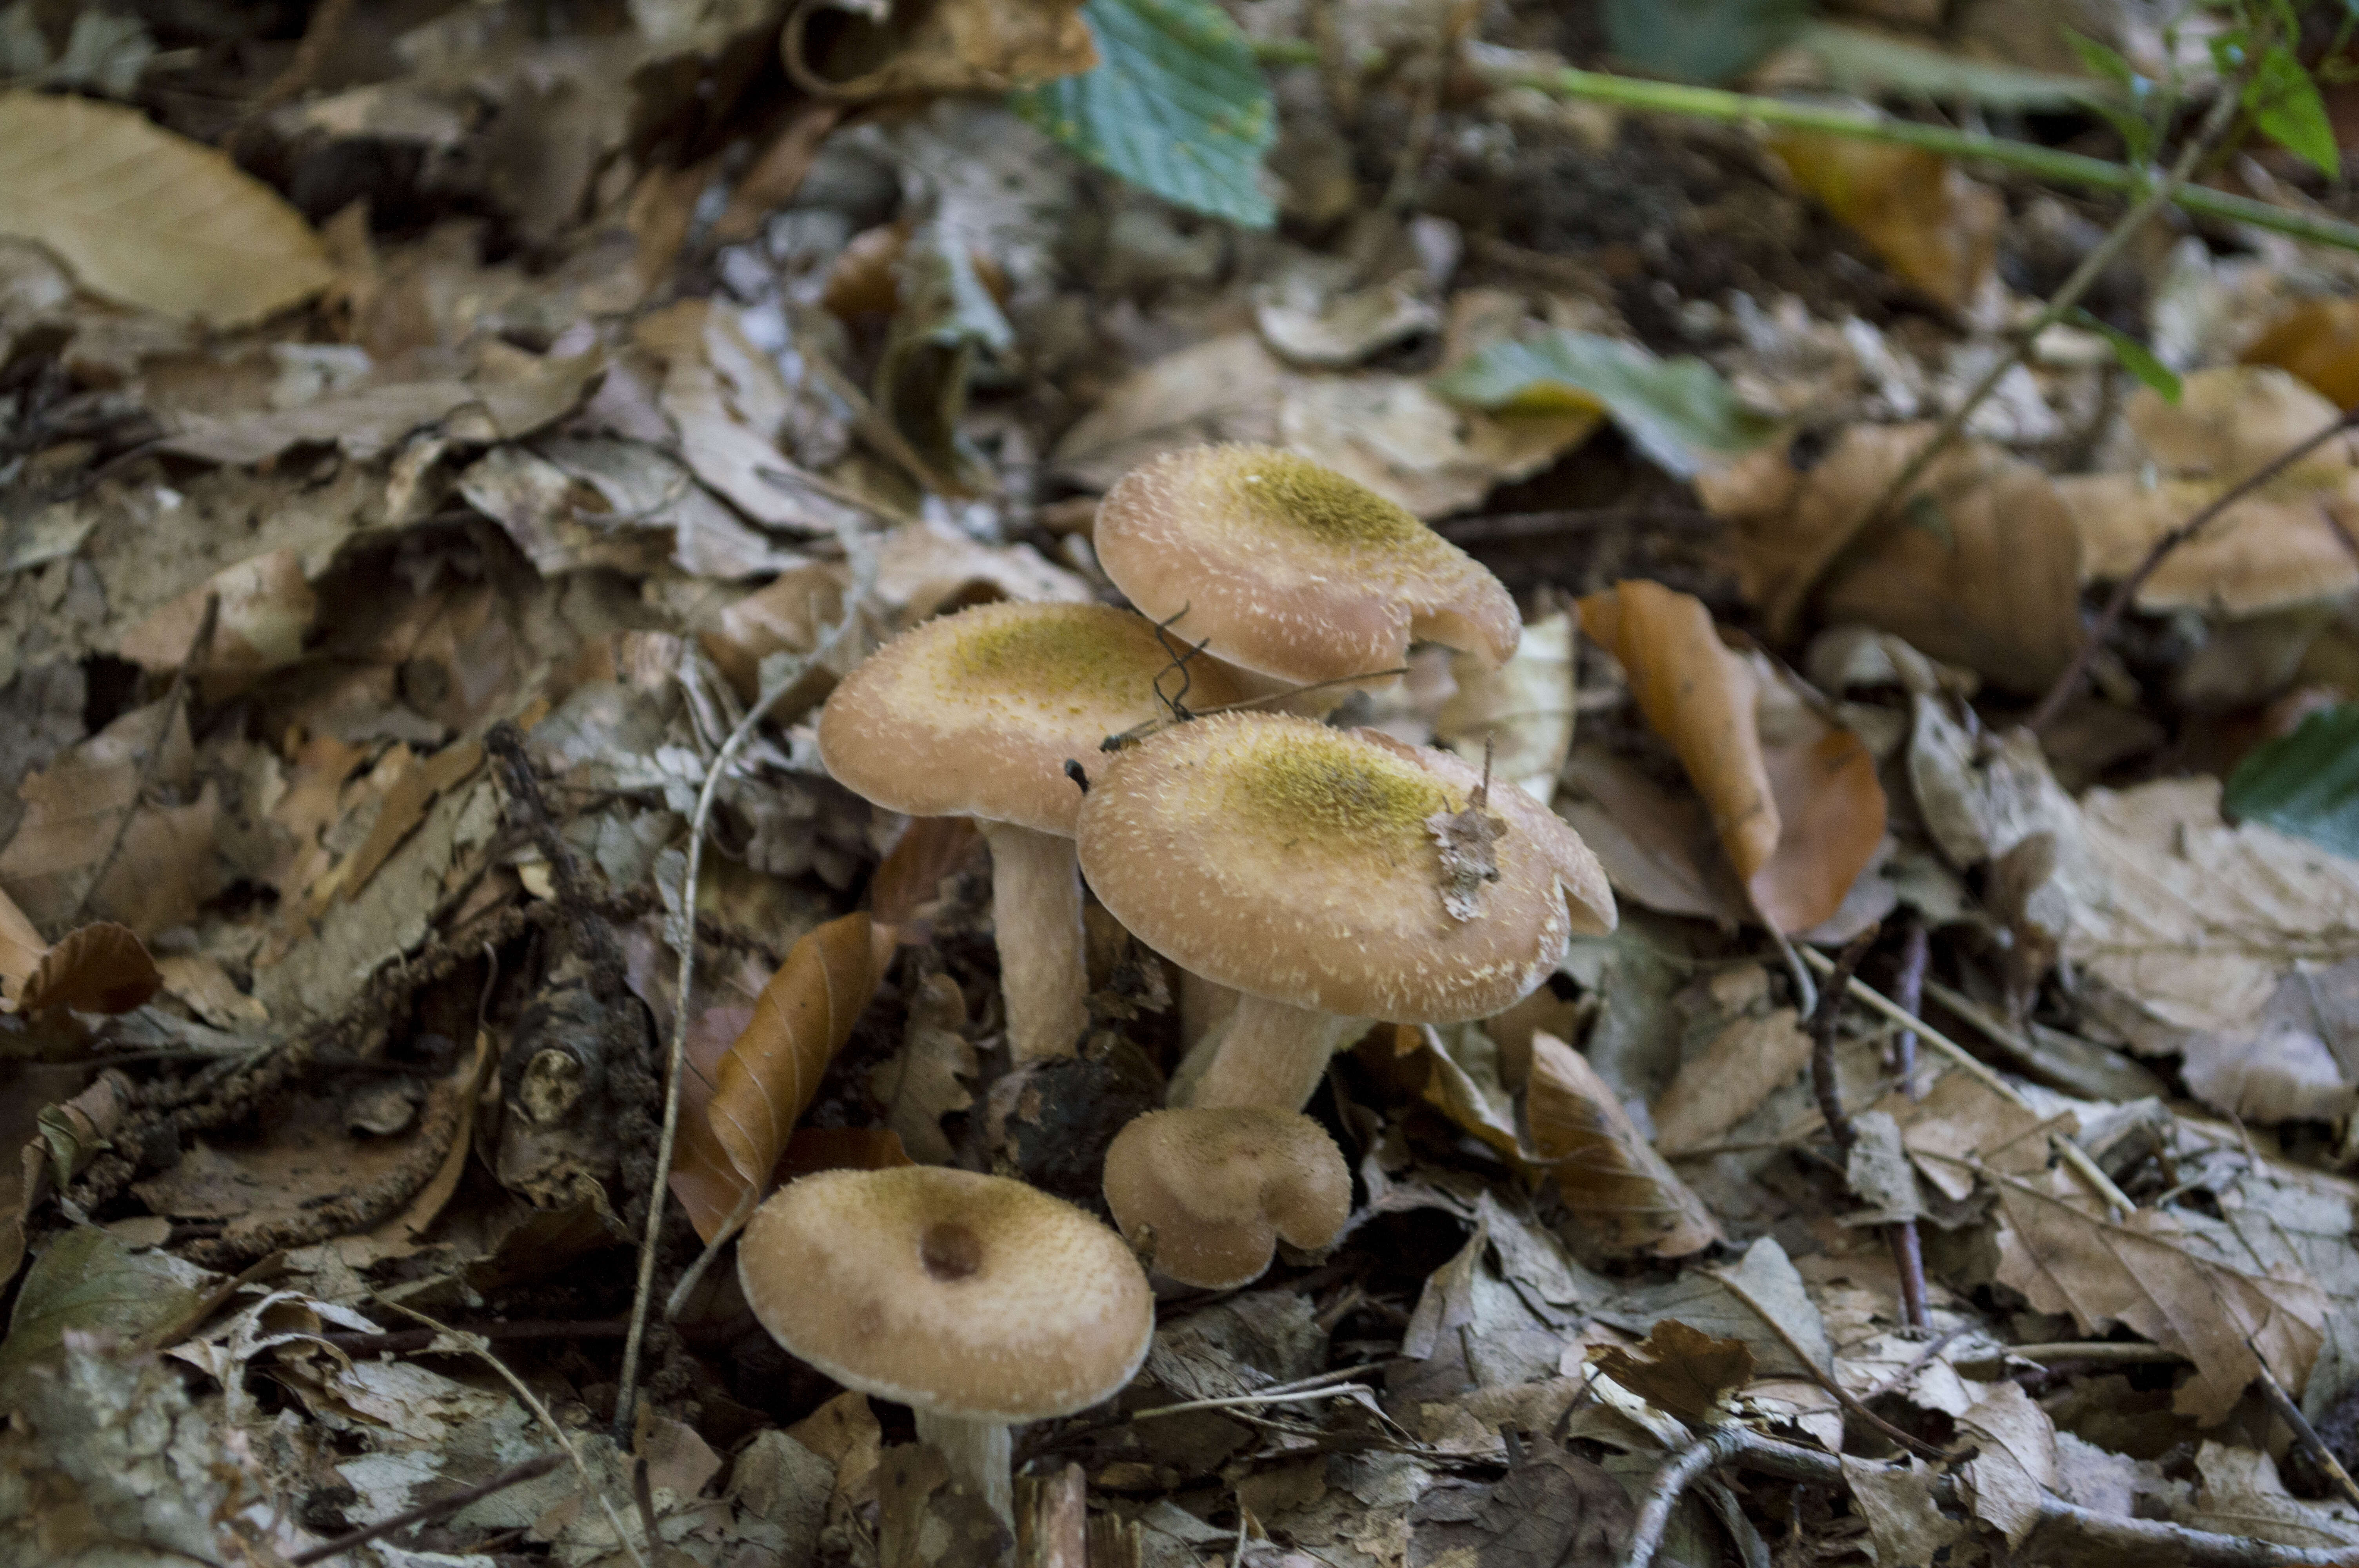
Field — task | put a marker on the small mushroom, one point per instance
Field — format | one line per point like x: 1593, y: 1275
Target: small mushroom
x: 1291, y: 569
x: 977, y: 715
x: 978, y: 1302
x: 1309, y: 868
x: 1211, y: 1190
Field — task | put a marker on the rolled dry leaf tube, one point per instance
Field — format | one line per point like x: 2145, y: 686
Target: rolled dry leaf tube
x: 978, y: 1302
x: 1325, y: 875
x: 975, y: 715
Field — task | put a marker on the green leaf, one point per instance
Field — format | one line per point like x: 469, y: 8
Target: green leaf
x: 2285, y: 104
x: 2305, y: 783
x: 2136, y: 357
x: 1177, y: 105
x: 2103, y: 61
x: 1678, y: 412
x: 1700, y: 40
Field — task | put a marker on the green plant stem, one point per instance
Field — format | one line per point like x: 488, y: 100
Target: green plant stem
x: 2043, y: 163
x: 1784, y: 608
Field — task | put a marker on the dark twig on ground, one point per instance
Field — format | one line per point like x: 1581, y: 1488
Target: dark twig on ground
x: 2299, y: 1425
x: 409, y: 1341
x: 425, y: 1513
x: 2062, y: 1531
x: 2126, y: 590
x: 1907, y: 1246
x: 1823, y: 1019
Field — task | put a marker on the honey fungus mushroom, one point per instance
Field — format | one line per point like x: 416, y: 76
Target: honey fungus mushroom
x: 975, y: 714
x: 978, y: 1302
x: 1302, y: 866
x: 1209, y: 1191
x: 1291, y: 571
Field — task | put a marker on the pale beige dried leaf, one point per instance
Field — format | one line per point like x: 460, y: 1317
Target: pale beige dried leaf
x: 1700, y: 697
x: 1615, y: 1185
x: 1961, y: 1126
x: 2010, y: 1479
x: 147, y: 218
x: 21, y: 947
x: 767, y: 1078
x: 1224, y: 389
x: 1524, y: 707
x: 1394, y: 434
x: 2152, y: 1274
x: 1745, y: 1061
x: 925, y: 567
x: 2238, y: 1492
x: 1908, y: 1527
x: 266, y: 608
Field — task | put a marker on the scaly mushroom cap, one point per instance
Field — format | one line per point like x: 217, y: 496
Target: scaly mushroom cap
x: 970, y: 1296
x: 975, y: 714
x: 1291, y: 570
x: 1218, y: 1185
x: 1297, y: 863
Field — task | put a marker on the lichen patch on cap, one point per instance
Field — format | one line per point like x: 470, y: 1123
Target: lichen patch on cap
x: 1313, y: 785
x: 1281, y: 493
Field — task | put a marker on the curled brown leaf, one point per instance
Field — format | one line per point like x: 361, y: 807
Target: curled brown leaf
x: 1609, y: 1176
x: 767, y: 1078
x: 101, y: 968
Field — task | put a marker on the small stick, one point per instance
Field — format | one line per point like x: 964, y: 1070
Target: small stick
x: 425, y: 1513
x: 1138, y: 733
x: 1908, y: 990
x: 2126, y: 590
x: 199, y: 647
x: 409, y: 1341
x: 1823, y: 1019
x: 1923, y: 1358
x: 643, y: 1293
x: 2304, y: 1433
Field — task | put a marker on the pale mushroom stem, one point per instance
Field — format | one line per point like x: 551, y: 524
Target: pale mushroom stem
x: 1205, y: 1005
x: 981, y: 1455
x: 1266, y: 1053
x: 1035, y: 905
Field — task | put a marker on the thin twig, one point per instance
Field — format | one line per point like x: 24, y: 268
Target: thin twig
x: 2073, y: 1155
x: 2061, y: 1527
x: 2126, y: 590
x: 1908, y: 990
x: 440, y: 1507
x: 2304, y: 1433
x: 1824, y: 1084
x: 1818, y: 1374
x: 1242, y: 1401
x: 475, y: 1344
x: 2043, y: 163
x: 1922, y: 1360
x: 1138, y: 733
x: 1786, y: 606
x: 199, y: 647
x: 864, y: 561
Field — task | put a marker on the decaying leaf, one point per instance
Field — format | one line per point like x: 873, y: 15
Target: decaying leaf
x: 1521, y: 711
x: 1467, y: 842
x: 101, y: 967
x: 1979, y: 567
x: 1737, y: 1070
x: 802, y: 1019
x: 2016, y: 1470
x: 266, y: 608
x: 2284, y: 544
x: 1793, y: 796
x: 910, y: 877
x: 860, y: 52
x: 1932, y: 224
x: 148, y: 218
x: 926, y: 1079
x: 1678, y: 1369
x: 1610, y: 1177
x: 1701, y: 698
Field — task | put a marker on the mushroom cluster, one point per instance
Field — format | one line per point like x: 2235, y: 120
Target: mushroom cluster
x: 1326, y: 878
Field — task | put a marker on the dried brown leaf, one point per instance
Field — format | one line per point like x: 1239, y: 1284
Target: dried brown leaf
x: 1609, y: 1176
x: 933, y: 47
x: 930, y: 849
x: 148, y: 218
x: 1743, y: 1064
x: 101, y: 968
x: 788, y: 615
x: 1701, y: 698
x: 1678, y: 1369
x: 926, y: 1079
x: 802, y: 1019
x: 1929, y: 223
x: 405, y: 808
x: 2154, y: 1275
x: 20, y: 948
x: 266, y: 608
x: 1980, y: 567
x: 1831, y: 809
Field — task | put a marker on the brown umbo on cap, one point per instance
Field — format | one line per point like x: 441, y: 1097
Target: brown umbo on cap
x: 974, y: 1297
x: 975, y: 714
x: 1291, y: 570
x: 1212, y: 1189
x: 1296, y: 862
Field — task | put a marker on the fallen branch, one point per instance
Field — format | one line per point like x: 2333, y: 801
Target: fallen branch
x: 2126, y: 590
x: 863, y: 560
x: 2060, y: 1524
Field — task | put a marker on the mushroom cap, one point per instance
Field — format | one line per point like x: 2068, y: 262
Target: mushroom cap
x: 1219, y: 1184
x: 1295, y: 861
x: 1292, y: 569
x: 975, y: 714
x: 970, y: 1296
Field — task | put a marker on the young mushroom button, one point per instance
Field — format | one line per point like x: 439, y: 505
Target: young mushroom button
x: 978, y: 1302
x: 1320, y: 872
x: 1291, y: 569
x: 1209, y: 1191
x: 975, y: 715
